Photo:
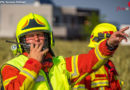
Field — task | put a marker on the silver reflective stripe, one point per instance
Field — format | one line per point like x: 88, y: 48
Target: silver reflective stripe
x: 99, y: 55
x: 97, y: 83
x: 79, y: 87
x: 74, y: 63
x: 40, y: 78
x: 28, y: 74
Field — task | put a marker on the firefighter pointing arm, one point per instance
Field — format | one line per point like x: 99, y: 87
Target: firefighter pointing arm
x: 103, y: 48
x: 106, y: 76
x: 37, y: 68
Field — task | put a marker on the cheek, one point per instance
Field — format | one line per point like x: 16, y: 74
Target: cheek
x: 41, y: 41
x: 29, y: 41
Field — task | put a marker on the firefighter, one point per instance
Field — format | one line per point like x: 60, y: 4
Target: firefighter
x: 37, y: 68
x: 105, y: 78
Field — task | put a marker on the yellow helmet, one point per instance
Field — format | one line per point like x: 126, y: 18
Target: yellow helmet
x: 101, y: 31
x: 33, y: 22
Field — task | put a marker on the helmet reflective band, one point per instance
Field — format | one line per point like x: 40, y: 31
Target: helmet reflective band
x: 32, y: 24
x: 101, y: 31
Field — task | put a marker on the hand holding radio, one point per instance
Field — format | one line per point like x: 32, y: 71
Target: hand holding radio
x: 36, y: 52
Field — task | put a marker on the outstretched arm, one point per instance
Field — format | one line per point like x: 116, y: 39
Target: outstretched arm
x: 84, y: 64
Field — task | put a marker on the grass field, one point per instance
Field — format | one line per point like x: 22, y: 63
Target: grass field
x: 65, y: 48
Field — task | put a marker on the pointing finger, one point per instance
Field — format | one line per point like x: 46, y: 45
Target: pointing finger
x: 125, y: 34
x: 122, y: 34
x: 124, y: 29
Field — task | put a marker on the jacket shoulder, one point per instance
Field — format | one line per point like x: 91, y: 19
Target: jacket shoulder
x: 18, y: 61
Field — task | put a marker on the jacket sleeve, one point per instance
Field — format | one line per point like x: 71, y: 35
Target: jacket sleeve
x: 13, y: 79
x: 82, y: 64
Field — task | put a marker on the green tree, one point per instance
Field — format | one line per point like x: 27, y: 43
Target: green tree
x: 90, y: 22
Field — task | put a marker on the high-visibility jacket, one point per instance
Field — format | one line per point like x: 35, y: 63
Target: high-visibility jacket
x: 25, y: 73
x: 105, y: 78
x: 42, y: 79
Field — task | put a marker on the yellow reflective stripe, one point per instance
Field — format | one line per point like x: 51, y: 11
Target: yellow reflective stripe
x: 102, y: 59
x: 75, y: 72
x: 101, y: 78
x: 79, y: 87
x: 99, y: 83
x: 80, y: 78
x: 29, y: 73
x: 100, y: 71
x: 101, y: 88
x: 30, y: 77
x: 99, y: 55
x: 6, y: 82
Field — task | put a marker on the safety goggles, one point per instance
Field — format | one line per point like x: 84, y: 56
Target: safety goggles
x: 102, y: 35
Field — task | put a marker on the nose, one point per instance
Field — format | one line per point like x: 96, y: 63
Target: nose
x: 36, y: 38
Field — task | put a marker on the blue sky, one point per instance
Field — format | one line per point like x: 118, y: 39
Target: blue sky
x: 106, y: 7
